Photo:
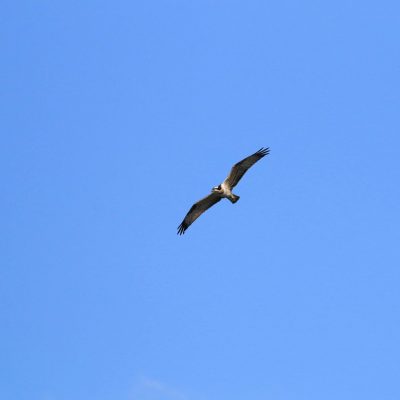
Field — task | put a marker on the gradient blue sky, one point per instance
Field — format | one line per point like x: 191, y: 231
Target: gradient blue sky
x: 116, y: 117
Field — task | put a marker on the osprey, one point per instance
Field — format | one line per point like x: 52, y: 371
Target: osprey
x: 224, y: 190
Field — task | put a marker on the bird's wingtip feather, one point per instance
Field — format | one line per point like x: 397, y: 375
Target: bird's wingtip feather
x: 263, y: 151
x: 181, y: 229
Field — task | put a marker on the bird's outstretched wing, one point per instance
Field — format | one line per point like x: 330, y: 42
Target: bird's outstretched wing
x: 198, y: 209
x: 240, y: 168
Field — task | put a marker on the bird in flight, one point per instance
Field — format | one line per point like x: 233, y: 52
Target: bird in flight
x: 224, y: 190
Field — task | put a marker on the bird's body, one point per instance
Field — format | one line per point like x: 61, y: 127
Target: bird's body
x: 224, y: 190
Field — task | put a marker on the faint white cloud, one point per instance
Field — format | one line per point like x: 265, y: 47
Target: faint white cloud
x: 152, y: 389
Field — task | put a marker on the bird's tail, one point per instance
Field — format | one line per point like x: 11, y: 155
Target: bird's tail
x: 234, y: 198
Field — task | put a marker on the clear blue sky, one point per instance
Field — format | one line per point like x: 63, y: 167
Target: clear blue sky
x: 116, y: 117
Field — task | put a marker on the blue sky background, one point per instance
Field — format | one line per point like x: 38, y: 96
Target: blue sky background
x: 116, y: 117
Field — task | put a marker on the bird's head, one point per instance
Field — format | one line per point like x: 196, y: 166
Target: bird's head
x: 216, y: 189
